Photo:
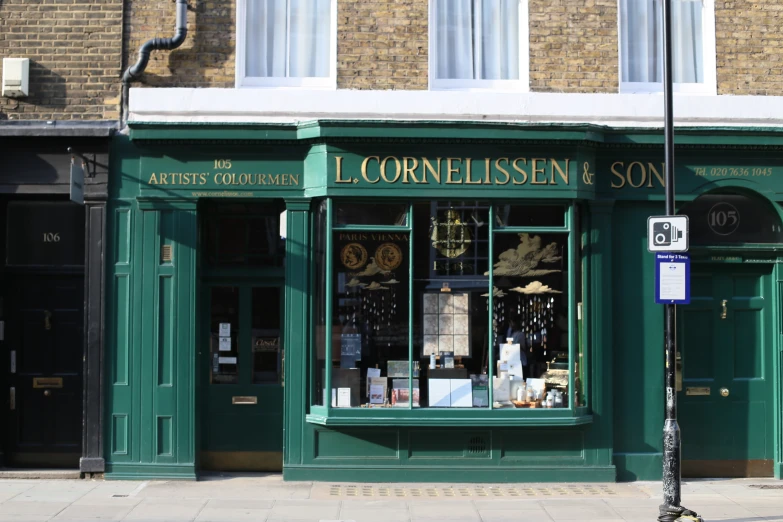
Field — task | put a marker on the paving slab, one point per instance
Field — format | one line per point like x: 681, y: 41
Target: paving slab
x: 582, y: 509
x: 173, y: 511
x: 452, y: 510
x: 92, y: 512
x: 23, y: 518
x: 301, y: 510
x: 56, y: 491
x: 232, y: 515
x: 13, y: 507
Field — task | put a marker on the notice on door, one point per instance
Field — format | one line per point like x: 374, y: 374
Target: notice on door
x: 672, y: 278
x: 225, y: 330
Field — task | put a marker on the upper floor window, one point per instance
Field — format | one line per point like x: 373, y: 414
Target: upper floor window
x: 478, y: 44
x: 693, y: 46
x: 286, y: 43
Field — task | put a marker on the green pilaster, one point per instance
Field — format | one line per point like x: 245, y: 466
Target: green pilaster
x: 296, y: 336
x: 777, y: 369
x: 637, y: 366
x: 600, y: 342
x: 161, y: 424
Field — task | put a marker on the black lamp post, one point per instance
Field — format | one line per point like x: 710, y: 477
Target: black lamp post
x: 671, y: 509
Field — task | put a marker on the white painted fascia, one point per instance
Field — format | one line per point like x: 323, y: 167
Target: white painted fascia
x: 180, y: 105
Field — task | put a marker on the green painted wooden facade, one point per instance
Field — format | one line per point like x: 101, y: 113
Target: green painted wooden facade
x: 154, y: 386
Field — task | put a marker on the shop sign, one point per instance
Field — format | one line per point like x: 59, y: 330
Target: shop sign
x: 216, y: 177
x: 383, y: 170
x: 672, y: 278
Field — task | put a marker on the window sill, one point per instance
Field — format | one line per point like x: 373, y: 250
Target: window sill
x: 694, y: 89
x: 447, y: 417
x: 325, y: 82
x: 510, y: 86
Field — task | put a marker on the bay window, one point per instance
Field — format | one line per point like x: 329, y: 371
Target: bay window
x: 693, y: 45
x: 444, y: 309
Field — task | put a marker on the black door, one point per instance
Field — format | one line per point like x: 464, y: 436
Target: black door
x: 44, y: 332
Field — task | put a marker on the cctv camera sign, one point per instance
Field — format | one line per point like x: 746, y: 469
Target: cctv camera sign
x: 667, y: 234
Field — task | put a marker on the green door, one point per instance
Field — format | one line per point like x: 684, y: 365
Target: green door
x: 726, y: 343
x: 242, y: 358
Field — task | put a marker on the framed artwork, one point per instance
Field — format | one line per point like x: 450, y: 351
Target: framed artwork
x: 446, y: 323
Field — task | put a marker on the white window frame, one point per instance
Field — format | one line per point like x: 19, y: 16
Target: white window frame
x: 520, y: 85
x: 242, y: 81
x: 710, y: 84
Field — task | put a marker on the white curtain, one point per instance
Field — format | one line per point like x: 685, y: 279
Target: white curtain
x: 288, y: 38
x: 641, y: 37
x: 477, y: 39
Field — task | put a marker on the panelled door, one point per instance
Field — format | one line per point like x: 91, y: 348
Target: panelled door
x: 726, y: 343
x: 242, y: 360
x: 44, y: 334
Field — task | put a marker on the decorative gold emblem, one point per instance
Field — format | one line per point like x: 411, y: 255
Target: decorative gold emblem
x: 388, y: 256
x: 353, y: 256
x: 450, y: 236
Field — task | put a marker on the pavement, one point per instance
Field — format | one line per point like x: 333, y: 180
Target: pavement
x: 267, y: 498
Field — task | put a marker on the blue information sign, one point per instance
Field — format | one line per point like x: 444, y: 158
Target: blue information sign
x: 672, y: 278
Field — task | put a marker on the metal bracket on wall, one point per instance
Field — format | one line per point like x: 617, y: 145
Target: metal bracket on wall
x: 89, y: 165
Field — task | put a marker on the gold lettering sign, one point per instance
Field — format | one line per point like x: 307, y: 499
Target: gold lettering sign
x: 408, y: 170
x: 649, y: 175
x: 637, y: 174
x: 233, y: 179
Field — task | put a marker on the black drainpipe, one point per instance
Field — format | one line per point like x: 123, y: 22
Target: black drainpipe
x: 135, y: 71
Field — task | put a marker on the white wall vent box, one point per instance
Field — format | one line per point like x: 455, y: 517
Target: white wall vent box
x: 16, y: 76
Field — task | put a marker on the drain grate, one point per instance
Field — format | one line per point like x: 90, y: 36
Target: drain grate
x: 765, y: 486
x: 356, y: 491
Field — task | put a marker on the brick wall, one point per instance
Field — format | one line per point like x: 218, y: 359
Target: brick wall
x: 573, y: 46
x: 749, y: 47
x: 74, y: 47
x: 205, y: 59
x: 382, y: 44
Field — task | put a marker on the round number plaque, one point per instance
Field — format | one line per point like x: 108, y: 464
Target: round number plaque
x: 723, y: 219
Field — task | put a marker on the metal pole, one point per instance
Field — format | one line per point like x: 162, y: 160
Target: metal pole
x: 671, y: 509
x: 671, y: 431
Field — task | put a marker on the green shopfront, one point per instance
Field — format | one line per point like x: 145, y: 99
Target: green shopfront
x: 397, y: 301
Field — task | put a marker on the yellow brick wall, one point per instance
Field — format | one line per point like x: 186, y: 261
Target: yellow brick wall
x: 205, y: 59
x: 749, y: 47
x: 382, y: 44
x: 74, y: 49
x: 573, y: 46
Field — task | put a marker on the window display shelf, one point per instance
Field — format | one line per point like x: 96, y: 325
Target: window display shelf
x: 453, y: 417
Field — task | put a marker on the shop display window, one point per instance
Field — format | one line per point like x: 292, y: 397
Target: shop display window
x: 443, y: 305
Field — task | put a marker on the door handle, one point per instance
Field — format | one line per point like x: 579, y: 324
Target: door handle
x: 724, y: 392
x: 47, y: 319
x: 723, y: 307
